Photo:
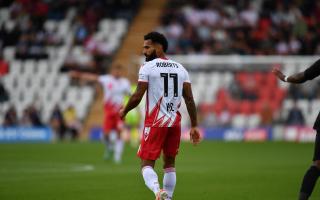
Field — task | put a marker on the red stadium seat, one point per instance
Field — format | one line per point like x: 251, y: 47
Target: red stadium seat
x: 246, y: 107
x: 233, y: 106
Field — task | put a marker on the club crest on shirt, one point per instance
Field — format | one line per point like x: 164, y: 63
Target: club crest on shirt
x: 146, y: 133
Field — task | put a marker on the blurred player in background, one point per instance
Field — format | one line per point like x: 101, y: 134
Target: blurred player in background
x: 165, y: 81
x: 115, y: 87
x: 313, y: 173
x: 132, y: 121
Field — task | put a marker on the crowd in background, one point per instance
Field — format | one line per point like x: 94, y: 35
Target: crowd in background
x: 256, y: 93
x: 244, y: 27
x: 27, y: 31
x: 64, y: 123
x: 28, y: 34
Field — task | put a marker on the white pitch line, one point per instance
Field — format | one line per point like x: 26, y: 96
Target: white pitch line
x: 61, y: 168
x: 83, y: 168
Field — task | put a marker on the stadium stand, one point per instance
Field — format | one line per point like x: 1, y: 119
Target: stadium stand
x: 244, y: 95
x: 42, y: 40
x: 260, y: 27
x: 240, y: 91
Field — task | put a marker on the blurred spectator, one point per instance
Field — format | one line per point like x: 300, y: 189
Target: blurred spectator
x: 242, y: 27
x: 295, y: 116
x: 4, y: 95
x: 235, y: 90
x: 249, y: 90
x: 78, y: 63
x: 25, y: 119
x: 72, y: 123
x: 10, y: 118
x: 224, y: 118
x: 305, y: 91
x: 266, y: 114
x: 81, y: 33
x: 208, y: 120
x: 31, y: 117
x: 57, y: 122
x: 34, y: 116
x: 249, y: 16
x: 4, y: 66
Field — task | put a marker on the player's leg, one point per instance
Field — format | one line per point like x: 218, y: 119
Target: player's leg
x: 312, y: 174
x: 108, y: 145
x: 169, y: 177
x: 110, y: 134
x: 150, y: 177
x: 170, y: 150
x: 118, y: 146
x: 149, y: 151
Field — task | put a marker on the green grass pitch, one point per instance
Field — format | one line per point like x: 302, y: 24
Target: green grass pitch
x: 212, y: 170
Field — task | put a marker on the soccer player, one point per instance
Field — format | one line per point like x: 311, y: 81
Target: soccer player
x: 115, y: 87
x: 165, y: 81
x: 313, y: 172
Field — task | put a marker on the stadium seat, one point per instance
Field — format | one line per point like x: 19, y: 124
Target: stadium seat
x: 29, y: 67
x: 254, y: 120
x: 105, y: 25
x: 4, y: 14
x: 303, y: 104
x: 246, y: 107
x: 9, y: 53
x: 63, y: 27
x: 15, y: 67
x: 50, y: 25
x: 259, y: 78
x: 239, y: 121
x: 233, y: 106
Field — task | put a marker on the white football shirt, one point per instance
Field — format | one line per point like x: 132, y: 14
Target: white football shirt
x: 165, y: 84
x: 114, y: 90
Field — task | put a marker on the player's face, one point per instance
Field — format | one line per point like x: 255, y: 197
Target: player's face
x: 116, y: 73
x: 149, y: 50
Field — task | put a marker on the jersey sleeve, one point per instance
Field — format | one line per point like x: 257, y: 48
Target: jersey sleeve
x: 313, y: 71
x: 187, y: 79
x: 143, y: 74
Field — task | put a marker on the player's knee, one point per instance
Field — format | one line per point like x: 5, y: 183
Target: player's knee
x: 168, y: 165
x: 168, y: 161
x: 145, y: 163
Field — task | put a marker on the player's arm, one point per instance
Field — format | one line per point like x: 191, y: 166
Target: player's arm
x: 191, y: 107
x: 301, y: 77
x: 84, y: 76
x: 135, y: 98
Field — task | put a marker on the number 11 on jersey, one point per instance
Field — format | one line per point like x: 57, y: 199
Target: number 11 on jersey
x: 166, y: 76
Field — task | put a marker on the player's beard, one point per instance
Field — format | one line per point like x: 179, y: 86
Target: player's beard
x: 152, y: 56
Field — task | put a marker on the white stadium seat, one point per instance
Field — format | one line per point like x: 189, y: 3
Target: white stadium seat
x: 9, y: 53
x: 254, y: 121
x: 15, y: 67
x: 239, y: 121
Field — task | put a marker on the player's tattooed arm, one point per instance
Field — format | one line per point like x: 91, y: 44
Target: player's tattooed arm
x: 191, y: 106
x: 135, y: 99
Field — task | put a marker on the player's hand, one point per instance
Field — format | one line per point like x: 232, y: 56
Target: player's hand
x: 122, y: 114
x: 195, y: 136
x: 278, y: 73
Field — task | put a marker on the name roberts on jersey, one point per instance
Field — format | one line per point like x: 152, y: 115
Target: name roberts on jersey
x: 167, y: 64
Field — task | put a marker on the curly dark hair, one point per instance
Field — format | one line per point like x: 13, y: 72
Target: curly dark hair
x: 159, y: 38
